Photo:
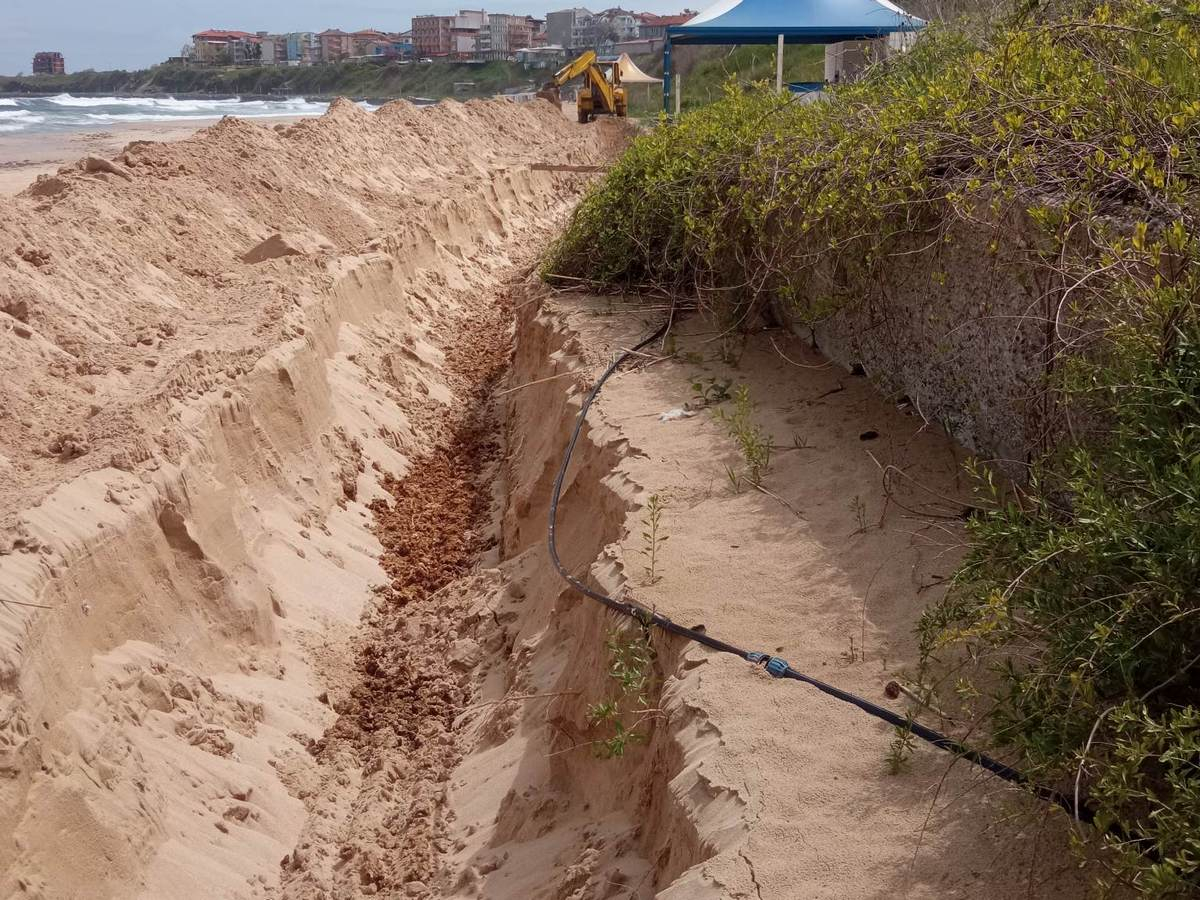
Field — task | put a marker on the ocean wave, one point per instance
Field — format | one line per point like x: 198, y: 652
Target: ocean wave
x: 66, y: 111
x: 6, y: 128
x: 23, y: 115
x: 172, y: 105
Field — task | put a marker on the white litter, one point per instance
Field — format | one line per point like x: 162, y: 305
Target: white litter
x: 678, y: 413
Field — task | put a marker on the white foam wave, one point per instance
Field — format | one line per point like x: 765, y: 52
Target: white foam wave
x: 68, y: 111
x: 5, y: 101
x: 22, y: 114
x: 171, y: 105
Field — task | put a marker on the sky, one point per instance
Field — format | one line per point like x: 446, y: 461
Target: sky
x: 133, y: 34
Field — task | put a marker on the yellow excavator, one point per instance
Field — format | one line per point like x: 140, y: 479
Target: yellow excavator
x: 601, y: 93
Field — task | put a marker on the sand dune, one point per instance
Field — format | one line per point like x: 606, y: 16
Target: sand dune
x: 213, y: 349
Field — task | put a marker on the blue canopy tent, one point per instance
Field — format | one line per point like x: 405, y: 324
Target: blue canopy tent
x: 786, y: 22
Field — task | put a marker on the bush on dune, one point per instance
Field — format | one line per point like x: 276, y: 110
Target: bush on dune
x: 1077, y: 609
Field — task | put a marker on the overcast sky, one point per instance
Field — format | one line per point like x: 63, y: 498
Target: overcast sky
x: 132, y: 34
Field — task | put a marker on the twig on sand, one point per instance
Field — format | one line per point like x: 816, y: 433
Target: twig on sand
x: 835, y: 390
x: 774, y: 496
x: 786, y: 358
x: 532, y: 383
x: 6, y: 602
x: 514, y: 698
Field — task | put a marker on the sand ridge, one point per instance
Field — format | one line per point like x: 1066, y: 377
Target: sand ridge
x: 189, y: 443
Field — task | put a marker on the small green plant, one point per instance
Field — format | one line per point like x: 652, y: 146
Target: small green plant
x: 800, y: 442
x: 631, y: 657
x: 710, y: 391
x: 753, y: 442
x: 852, y: 654
x: 652, y: 537
x: 900, y: 750
x: 735, y: 478
x: 859, y: 508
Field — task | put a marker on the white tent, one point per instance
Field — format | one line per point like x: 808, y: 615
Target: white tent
x: 631, y: 74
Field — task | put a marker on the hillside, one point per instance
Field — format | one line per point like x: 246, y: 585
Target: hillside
x: 706, y: 70
x: 346, y: 79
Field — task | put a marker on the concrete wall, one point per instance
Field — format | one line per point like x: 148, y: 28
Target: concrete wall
x: 961, y: 330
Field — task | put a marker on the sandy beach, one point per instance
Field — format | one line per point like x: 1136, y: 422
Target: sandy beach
x: 23, y: 157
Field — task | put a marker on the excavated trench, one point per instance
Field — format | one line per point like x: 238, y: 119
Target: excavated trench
x: 466, y: 726
x: 540, y: 808
x: 271, y: 629
x: 322, y: 654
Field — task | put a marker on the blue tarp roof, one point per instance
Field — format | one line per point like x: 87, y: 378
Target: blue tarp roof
x: 803, y: 22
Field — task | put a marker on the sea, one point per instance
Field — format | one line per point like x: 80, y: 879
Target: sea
x: 66, y: 112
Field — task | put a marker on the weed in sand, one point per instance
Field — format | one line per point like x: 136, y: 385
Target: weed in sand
x: 710, y: 391
x: 652, y: 537
x: 735, y: 478
x: 752, y: 440
x: 900, y: 750
x: 853, y: 653
x: 631, y: 665
x: 859, y: 508
x: 731, y: 350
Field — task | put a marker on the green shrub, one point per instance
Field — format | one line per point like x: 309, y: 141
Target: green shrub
x: 1092, y: 573
x: 739, y: 200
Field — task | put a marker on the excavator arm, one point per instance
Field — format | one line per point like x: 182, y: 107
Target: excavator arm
x: 574, y: 68
x: 601, y: 92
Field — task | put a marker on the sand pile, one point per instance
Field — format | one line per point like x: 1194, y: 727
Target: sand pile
x: 214, y: 352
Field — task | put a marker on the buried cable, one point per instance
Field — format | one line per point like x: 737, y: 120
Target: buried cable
x: 777, y: 667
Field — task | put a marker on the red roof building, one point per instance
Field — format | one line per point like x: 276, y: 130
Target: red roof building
x: 336, y: 45
x: 49, y: 62
x: 216, y: 34
x: 218, y: 47
x: 652, y: 26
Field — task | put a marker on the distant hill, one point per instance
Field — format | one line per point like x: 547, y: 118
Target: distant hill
x: 705, y: 70
x: 353, y: 79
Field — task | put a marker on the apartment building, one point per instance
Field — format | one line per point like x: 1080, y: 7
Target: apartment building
x: 370, y: 42
x: 622, y: 24
x: 655, y: 27
x: 336, y: 45
x: 509, y: 33
x: 49, y: 62
x: 302, y: 48
x: 431, y: 35
x: 570, y: 28
x: 466, y: 35
x: 216, y: 47
x: 272, y: 49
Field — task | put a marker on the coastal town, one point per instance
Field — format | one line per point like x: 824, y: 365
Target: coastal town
x: 470, y: 36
